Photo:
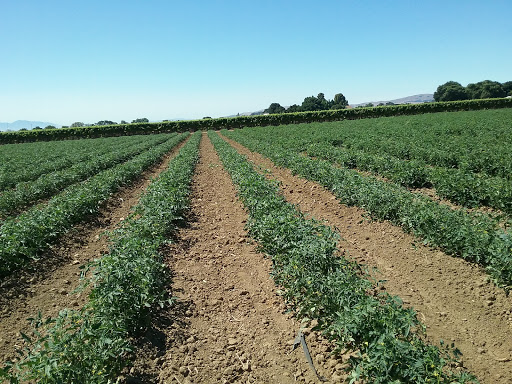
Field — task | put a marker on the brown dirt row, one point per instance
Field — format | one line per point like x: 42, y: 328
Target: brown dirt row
x: 453, y: 298
x: 47, y: 285
x: 229, y: 325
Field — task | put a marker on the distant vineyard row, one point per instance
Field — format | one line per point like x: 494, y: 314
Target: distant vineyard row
x: 251, y: 121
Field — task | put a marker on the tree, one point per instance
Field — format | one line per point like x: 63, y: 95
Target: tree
x: 77, y: 124
x: 323, y: 103
x: 486, y: 89
x: 124, y: 122
x: 339, y: 102
x: 50, y: 127
x: 311, y: 103
x: 106, y: 122
x: 142, y: 120
x: 507, y: 87
x: 37, y: 127
x: 451, y: 91
x: 294, y: 108
x: 275, y: 108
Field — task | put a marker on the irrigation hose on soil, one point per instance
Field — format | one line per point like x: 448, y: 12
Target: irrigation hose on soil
x: 300, y: 339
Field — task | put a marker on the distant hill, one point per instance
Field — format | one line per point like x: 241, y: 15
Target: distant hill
x: 414, y: 99
x: 19, y: 124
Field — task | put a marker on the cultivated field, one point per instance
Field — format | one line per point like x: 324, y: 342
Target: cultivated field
x: 178, y: 258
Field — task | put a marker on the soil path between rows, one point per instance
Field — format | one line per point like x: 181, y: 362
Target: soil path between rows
x: 47, y: 285
x: 232, y: 327
x: 453, y: 298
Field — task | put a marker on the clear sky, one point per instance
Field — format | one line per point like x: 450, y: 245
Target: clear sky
x: 66, y: 61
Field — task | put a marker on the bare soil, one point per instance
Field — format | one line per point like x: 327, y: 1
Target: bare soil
x: 47, y: 285
x: 453, y: 298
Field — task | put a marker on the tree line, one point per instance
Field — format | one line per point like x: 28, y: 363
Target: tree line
x: 487, y: 89
x: 78, y: 124
x: 311, y: 103
x: 107, y: 122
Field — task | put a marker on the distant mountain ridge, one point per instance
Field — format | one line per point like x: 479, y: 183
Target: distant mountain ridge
x: 19, y: 124
x: 414, y: 99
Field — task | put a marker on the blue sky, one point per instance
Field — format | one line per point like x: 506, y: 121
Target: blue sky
x: 66, y: 61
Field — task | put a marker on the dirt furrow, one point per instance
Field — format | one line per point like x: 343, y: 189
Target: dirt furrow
x: 228, y: 325
x: 47, y: 285
x: 452, y: 297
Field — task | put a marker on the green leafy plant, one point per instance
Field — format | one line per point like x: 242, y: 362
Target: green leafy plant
x: 475, y: 237
x: 318, y: 283
x: 24, y: 237
x: 128, y: 285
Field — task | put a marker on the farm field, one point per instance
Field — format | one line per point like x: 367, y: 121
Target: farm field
x: 415, y: 201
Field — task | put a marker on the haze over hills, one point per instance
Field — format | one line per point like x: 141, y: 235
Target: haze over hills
x: 19, y: 124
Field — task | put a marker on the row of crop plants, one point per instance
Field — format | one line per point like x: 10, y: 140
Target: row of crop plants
x: 474, y: 141
x: 321, y: 284
x: 129, y: 284
x: 29, y: 161
x: 24, y: 237
x: 475, y: 237
x: 26, y: 193
x: 460, y: 186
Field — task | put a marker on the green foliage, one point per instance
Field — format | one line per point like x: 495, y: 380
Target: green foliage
x: 339, y: 102
x: 24, y: 237
x: 311, y: 103
x: 252, y: 121
x: 275, y: 108
x: 129, y: 284
x: 29, y: 161
x: 451, y: 91
x: 142, y: 120
x: 26, y: 193
x: 106, y: 122
x: 475, y: 237
x: 460, y: 186
x: 321, y: 284
x: 507, y: 87
x: 486, y: 89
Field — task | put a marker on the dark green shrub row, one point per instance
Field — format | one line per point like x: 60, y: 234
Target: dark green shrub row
x: 26, y: 193
x: 475, y: 237
x: 251, y: 121
x: 129, y: 284
x: 321, y: 284
x: 24, y: 237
